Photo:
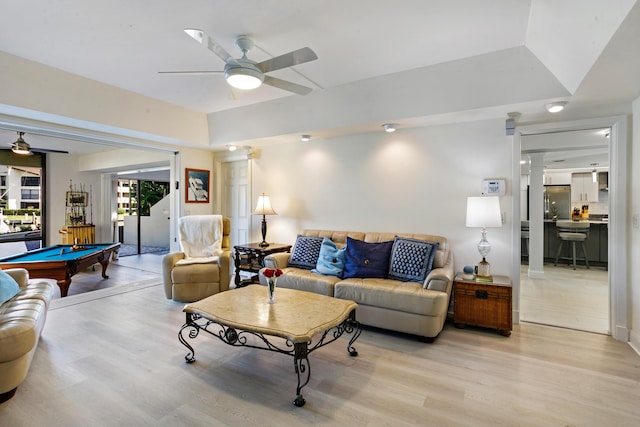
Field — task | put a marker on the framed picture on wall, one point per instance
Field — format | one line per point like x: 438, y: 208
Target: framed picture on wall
x: 197, y: 181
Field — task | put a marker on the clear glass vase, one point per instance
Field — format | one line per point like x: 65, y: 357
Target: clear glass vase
x: 271, y: 288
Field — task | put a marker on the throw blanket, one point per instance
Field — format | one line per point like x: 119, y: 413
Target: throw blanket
x: 200, y: 238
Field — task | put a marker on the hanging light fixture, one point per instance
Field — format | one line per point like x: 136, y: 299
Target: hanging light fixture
x: 20, y: 146
x: 594, y: 173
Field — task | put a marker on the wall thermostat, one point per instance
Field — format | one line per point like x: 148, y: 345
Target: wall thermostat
x: 494, y: 187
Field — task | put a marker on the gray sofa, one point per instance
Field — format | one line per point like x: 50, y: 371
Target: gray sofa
x: 409, y: 307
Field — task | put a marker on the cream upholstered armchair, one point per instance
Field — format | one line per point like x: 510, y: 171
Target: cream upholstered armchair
x: 202, y: 267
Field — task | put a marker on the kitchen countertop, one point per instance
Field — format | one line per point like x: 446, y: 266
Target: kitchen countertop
x: 591, y: 221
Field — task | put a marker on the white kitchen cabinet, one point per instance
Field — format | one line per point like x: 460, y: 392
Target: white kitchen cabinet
x: 583, y: 189
x: 557, y: 178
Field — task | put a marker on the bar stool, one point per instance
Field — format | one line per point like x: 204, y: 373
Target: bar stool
x: 574, y: 232
x: 524, y: 234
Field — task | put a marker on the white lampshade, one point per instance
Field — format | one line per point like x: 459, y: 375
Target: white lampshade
x: 264, y: 206
x: 483, y: 212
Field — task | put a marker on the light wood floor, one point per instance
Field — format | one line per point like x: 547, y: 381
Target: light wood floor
x: 115, y: 360
x: 577, y: 299
x: 122, y: 271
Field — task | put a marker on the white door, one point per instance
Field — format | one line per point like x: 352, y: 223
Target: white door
x: 236, y: 199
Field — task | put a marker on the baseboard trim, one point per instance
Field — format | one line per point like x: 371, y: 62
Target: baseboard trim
x: 533, y: 274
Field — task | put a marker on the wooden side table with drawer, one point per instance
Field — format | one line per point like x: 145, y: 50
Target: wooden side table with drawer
x: 485, y: 304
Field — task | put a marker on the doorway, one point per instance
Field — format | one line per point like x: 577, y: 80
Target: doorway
x: 617, y: 228
x: 564, y: 294
x: 236, y: 199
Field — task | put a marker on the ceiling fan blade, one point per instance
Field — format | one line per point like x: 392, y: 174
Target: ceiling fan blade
x: 48, y: 150
x: 204, y: 39
x: 283, y: 84
x: 191, y: 73
x: 290, y: 59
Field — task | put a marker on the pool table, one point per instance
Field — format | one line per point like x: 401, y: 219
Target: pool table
x: 60, y: 262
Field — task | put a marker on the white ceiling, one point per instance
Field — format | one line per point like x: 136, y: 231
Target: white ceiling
x: 588, y: 49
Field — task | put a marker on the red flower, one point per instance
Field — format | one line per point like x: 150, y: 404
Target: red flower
x: 270, y: 272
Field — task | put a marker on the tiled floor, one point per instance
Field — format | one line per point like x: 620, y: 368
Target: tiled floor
x: 576, y: 299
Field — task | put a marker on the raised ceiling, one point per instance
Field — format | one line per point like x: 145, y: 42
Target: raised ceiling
x: 584, y: 51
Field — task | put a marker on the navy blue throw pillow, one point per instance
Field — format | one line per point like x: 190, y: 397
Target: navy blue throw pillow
x: 411, y: 259
x: 363, y: 259
x: 305, y: 252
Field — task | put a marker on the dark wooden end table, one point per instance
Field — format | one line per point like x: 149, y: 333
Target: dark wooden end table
x: 250, y: 257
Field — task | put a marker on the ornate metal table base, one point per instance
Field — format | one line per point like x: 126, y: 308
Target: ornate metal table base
x: 299, y: 350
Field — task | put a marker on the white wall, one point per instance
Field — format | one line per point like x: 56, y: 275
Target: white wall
x: 634, y: 231
x: 154, y: 227
x: 413, y: 180
x: 37, y: 92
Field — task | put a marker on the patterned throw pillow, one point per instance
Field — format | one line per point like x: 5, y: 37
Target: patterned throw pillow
x: 305, y: 252
x: 331, y: 259
x: 411, y: 259
x: 363, y: 259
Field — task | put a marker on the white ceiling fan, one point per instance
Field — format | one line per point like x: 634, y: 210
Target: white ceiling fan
x: 243, y: 73
x: 21, y: 147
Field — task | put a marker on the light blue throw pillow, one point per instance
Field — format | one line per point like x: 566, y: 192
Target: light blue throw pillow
x: 331, y: 259
x: 8, y: 287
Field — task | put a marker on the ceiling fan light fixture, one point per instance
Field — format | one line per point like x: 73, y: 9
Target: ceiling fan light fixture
x: 20, y: 146
x: 555, y: 107
x: 243, y: 78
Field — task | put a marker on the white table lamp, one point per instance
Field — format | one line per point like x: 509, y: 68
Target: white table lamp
x: 483, y: 212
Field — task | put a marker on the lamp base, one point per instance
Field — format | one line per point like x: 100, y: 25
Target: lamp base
x: 264, y: 244
x: 484, y: 268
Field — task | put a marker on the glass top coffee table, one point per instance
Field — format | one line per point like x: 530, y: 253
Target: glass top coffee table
x: 296, y: 324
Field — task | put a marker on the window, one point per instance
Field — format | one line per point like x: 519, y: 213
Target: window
x: 30, y: 181
x: 30, y: 194
x: 22, y: 184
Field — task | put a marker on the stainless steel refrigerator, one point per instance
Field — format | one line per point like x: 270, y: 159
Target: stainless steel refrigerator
x: 557, y: 201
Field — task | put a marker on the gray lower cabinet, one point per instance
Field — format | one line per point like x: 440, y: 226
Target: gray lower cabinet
x: 596, y: 244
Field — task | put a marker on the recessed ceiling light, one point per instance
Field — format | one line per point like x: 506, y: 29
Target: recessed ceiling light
x: 389, y: 127
x: 305, y: 137
x: 232, y: 147
x: 555, y: 107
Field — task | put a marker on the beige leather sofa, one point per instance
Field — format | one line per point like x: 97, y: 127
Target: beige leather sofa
x: 193, y: 282
x: 22, y: 319
x: 414, y: 308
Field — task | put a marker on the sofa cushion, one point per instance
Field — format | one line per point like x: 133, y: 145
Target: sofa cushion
x: 408, y: 297
x: 411, y: 259
x: 8, y: 287
x: 364, y: 259
x: 305, y: 280
x: 21, y: 322
x: 305, y: 252
x: 331, y: 259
